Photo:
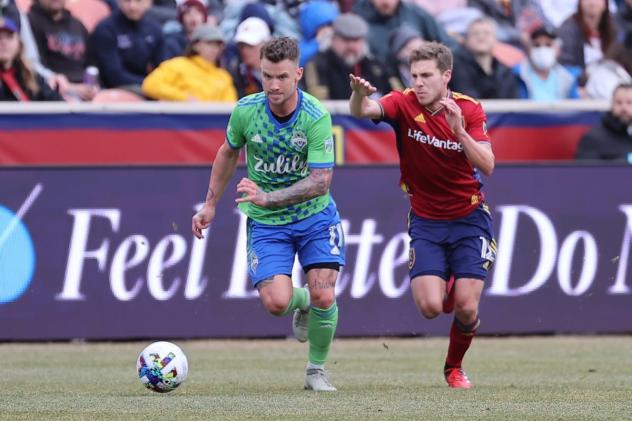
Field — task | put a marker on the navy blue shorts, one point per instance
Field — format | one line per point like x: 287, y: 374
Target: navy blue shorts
x: 317, y: 239
x: 463, y: 247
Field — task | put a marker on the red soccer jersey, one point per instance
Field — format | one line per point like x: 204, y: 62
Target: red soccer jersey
x: 435, y: 172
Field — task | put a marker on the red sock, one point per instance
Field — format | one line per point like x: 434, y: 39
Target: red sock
x: 460, y: 339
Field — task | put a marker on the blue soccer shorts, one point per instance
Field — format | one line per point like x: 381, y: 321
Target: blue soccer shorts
x: 318, y: 240
x: 463, y: 247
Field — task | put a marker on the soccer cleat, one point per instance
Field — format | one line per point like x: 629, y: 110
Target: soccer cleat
x: 316, y: 379
x: 456, y: 378
x: 299, y: 322
x: 448, y: 303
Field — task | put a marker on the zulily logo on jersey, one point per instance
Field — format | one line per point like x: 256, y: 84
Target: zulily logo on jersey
x: 421, y: 137
x: 282, y: 165
x: 17, y: 253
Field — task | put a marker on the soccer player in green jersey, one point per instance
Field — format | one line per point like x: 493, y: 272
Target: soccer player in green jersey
x: 290, y: 158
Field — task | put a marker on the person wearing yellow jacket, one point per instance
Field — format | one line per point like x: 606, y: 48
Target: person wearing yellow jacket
x: 195, y: 76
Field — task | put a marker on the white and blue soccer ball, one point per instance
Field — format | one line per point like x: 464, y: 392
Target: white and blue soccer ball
x: 162, y: 367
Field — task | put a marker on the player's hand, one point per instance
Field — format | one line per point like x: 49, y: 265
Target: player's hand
x: 202, y: 220
x: 251, y: 193
x: 361, y: 86
x: 453, y: 114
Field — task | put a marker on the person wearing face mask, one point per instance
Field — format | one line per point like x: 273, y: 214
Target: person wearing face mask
x: 611, y: 140
x: 540, y: 76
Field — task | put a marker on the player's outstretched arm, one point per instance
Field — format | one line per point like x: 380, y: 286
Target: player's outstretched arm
x: 315, y: 184
x: 360, y: 104
x: 223, y: 170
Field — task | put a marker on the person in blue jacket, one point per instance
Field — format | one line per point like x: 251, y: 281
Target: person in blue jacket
x: 127, y: 45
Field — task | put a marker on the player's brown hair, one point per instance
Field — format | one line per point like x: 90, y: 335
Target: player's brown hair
x: 433, y: 51
x: 279, y: 49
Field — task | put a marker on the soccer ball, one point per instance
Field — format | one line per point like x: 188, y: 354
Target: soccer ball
x: 162, y: 367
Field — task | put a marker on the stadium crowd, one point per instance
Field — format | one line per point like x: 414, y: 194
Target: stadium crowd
x: 208, y: 50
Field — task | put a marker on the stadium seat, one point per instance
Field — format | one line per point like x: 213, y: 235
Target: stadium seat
x: 116, y: 95
x: 89, y: 12
x: 508, y: 54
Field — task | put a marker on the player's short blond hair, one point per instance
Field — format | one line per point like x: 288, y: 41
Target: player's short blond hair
x: 433, y: 51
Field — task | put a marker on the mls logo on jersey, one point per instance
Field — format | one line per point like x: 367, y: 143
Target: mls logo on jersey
x: 256, y: 139
x: 299, y: 140
x: 329, y: 145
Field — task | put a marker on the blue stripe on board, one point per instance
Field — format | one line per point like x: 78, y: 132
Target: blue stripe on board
x: 113, y: 121
x: 149, y: 121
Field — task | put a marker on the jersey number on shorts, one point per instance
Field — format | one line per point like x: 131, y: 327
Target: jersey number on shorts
x: 336, y: 239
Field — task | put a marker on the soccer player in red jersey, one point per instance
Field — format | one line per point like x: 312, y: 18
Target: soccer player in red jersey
x: 443, y: 146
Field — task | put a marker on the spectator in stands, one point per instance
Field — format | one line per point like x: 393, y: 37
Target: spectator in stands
x: 244, y: 68
x: 62, y: 44
x: 611, y: 140
x: 327, y: 75
x: 615, y: 69
x: 435, y: 8
x: 541, y: 77
x: 18, y: 80
x: 127, y: 45
x: 516, y: 19
x: 316, y: 19
x: 196, y: 76
x: 191, y: 15
x: 402, y: 42
x: 476, y: 72
x: 624, y: 19
x: 586, y: 35
x: 385, y: 16
x: 9, y: 9
x: 274, y: 13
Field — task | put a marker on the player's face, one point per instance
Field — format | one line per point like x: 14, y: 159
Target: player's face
x: 280, y: 80
x: 622, y: 105
x: 430, y: 83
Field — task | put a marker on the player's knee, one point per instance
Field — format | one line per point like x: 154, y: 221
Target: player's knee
x: 466, y: 311
x: 322, y: 298
x: 430, y: 310
x: 274, y: 304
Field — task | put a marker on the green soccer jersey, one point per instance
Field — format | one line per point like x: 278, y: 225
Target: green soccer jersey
x: 280, y: 154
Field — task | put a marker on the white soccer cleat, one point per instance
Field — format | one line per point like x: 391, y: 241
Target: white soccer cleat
x: 299, y: 322
x: 316, y: 379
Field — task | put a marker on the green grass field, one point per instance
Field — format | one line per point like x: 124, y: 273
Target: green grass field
x: 547, y: 378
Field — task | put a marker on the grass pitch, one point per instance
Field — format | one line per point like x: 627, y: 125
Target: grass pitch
x: 547, y: 378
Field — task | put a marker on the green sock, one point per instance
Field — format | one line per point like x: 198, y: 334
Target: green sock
x: 320, y: 332
x: 300, y: 299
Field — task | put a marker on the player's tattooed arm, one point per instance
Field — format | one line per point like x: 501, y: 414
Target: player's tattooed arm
x: 315, y: 184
